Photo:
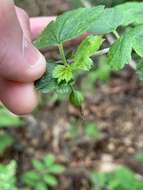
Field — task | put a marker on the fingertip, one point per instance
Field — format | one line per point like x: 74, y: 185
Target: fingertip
x: 36, y: 70
x: 19, y: 98
x: 26, y: 67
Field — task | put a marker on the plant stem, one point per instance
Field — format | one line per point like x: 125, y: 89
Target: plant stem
x: 116, y: 34
x: 86, y: 3
x: 62, y: 53
x: 101, y: 52
x: 72, y: 88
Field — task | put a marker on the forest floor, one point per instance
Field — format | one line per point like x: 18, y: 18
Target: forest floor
x: 116, y: 107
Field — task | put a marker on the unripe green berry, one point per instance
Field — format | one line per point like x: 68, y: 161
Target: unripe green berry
x: 76, y: 98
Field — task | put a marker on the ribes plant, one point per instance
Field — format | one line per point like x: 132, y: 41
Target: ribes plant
x: 7, y: 176
x: 7, y: 120
x: 61, y: 75
x: 120, y: 179
x: 43, y: 174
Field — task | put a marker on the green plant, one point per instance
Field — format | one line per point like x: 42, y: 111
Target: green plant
x: 120, y: 179
x: 139, y: 156
x: 84, y: 129
x: 7, y: 119
x: 5, y: 142
x: 61, y: 75
x: 7, y: 176
x: 44, y: 173
x: 92, y: 131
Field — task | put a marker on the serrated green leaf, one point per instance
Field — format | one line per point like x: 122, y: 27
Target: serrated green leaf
x: 68, y: 26
x: 63, y: 73
x: 49, y: 160
x: 30, y: 178
x: 138, y: 45
x: 38, y: 165
x: 139, y: 69
x: 84, y: 64
x: 108, y: 21
x: 97, y: 19
x: 89, y: 46
x: 120, y: 15
x: 40, y: 186
x: 50, y: 180
x: 85, y: 50
x: 132, y: 13
x: 47, y: 83
x: 120, y: 52
x: 56, y: 169
x: 137, y: 34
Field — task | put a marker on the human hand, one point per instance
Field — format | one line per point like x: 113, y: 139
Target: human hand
x: 20, y: 63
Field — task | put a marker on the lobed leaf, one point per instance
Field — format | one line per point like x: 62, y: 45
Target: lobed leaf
x: 120, y: 15
x: 137, y: 34
x: 63, y: 73
x: 85, y: 50
x: 120, y: 53
x: 49, y: 84
x: 131, y: 12
x: 56, y: 169
x: 108, y: 21
x: 50, y: 180
x: 40, y: 186
x: 30, y: 178
x: 49, y: 160
x: 38, y: 165
x: 68, y: 26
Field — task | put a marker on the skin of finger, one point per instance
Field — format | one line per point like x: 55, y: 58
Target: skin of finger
x: 20, y: 61
x: 20, y: 98
x: 37, y: 25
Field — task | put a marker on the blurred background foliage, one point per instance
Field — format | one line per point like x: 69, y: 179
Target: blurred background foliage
x: 107, y: 3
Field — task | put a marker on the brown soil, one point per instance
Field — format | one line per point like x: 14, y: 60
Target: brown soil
x: 44, y: 7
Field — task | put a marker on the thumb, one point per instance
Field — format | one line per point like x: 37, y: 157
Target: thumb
x: 19, y: 60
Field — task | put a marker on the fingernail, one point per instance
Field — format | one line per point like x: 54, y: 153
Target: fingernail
x: 32, y: 55
x: 40, y: 60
